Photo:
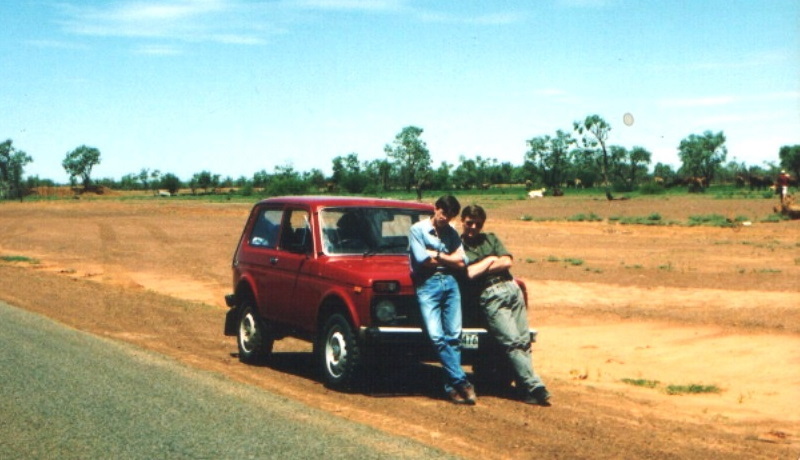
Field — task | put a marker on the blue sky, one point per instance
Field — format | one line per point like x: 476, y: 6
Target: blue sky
x: 237, y: 86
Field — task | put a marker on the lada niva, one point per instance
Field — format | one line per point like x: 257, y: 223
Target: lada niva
x: 335, y: 271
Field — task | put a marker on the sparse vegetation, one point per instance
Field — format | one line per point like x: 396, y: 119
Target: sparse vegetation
x: 642, y: 382
x: 692, y: 389
x: 673, y: 389
x: 13, y: 258
x: 591, y: 217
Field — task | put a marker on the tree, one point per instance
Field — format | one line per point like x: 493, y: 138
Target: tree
x: 594, y: 134
x: 79, y: 163
x: 286, y: 181
x: 410, y: 156
x: 551, y: 157
x: 204, y: 180
x: 171, y: 183
x: 12, y: 166
x: 465, y: 176
x: 347, y: 173
x: 441, y: 179
x: 379, y: 173
x: 638, y: 159
x: 665, y: 173
x: 702, y: 155
x: 790, y: 158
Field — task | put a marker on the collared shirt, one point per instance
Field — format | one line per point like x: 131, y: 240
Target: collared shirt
x: 423, y: 237
x: 485, y: 245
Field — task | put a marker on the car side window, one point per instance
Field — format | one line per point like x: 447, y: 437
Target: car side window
x: 296, y: 235
x: 265, y: 230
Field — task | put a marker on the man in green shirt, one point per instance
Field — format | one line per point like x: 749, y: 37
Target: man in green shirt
x: 501, y: 300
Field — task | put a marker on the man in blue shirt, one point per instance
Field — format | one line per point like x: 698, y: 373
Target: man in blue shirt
x: 436, y: 255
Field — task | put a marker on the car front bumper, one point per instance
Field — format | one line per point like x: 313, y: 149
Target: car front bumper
x: 471, y: 338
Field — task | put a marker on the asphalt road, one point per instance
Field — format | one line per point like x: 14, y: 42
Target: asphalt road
x: 68, y: 394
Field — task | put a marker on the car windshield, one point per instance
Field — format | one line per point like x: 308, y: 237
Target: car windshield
x: 367, y: 231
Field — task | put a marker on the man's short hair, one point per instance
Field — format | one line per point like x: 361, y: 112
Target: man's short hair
x: 449, y: 205
x: 474, y: 211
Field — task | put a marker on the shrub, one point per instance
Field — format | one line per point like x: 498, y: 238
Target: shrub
x: 651, y: 188
x: 592, y: 217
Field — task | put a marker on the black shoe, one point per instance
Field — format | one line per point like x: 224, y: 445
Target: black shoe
x: 539, y: 396
x: 467, y: 391
x: 455, y: 397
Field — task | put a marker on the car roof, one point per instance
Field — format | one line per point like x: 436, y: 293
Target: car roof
x: 317, y: 201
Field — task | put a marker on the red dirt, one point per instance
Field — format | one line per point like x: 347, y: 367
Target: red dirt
x: 677, y: 305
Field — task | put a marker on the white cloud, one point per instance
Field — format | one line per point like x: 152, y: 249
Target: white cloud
x: 223, y: 21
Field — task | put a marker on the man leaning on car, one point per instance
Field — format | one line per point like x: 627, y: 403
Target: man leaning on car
x: 436, y: 254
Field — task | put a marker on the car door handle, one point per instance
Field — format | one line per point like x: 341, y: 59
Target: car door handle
x: 273, y: 260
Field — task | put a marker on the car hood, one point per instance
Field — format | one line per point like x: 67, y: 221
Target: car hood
x: 364, y: 270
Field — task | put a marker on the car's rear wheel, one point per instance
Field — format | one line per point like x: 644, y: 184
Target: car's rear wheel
x: 339, y: 353
x: 254, y: 340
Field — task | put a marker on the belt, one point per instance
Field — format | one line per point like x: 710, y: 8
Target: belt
x: 491, y: 281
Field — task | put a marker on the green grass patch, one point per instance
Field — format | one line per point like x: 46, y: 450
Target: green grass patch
x: 692, y: 389
x: 774, y: 218
x: 710, y: 220
x: 674, y: 389
x: 642, y: 382
x: 651, y: 219
x: 573, y: 261
x: 591, y: 217
x: 19, y: 259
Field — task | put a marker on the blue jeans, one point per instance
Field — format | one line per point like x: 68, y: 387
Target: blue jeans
x: 507, y: 320
x: 440, y: 305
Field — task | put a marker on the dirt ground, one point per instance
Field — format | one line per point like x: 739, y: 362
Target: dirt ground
x: 673, y: 305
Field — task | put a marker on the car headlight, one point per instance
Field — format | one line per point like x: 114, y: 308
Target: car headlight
x: 385, y: 311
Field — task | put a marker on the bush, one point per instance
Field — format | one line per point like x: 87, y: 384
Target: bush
x: 287, y: 186
x: 651, y: 188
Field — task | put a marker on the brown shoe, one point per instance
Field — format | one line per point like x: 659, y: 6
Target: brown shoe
x: 456, y: 397
x: 468, y: 393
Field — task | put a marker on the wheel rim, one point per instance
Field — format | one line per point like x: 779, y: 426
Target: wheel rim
x: 248, y: 333
x: 335, y: 353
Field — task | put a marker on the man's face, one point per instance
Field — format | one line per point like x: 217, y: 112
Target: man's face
x: 472, y: 226
x: 441, y: 218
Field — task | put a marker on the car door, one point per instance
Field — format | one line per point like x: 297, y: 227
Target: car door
x: 292, y: 298
x: 261, y: 250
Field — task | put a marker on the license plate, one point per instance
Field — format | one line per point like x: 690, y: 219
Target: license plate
x: 469, y: 341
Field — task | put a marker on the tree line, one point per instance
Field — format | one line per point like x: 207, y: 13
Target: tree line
x: 580, y: 157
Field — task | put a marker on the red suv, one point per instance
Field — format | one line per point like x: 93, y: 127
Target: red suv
x: 334, y: 271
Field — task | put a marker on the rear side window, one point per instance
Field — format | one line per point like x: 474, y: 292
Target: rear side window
x: 296, y: 234
x: 265, y: 230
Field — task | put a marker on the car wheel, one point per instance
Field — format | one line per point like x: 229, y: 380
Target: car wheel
x: 339, y: 353
x: 254, y: 340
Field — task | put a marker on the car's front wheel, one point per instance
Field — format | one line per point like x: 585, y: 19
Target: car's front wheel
x: 254, y: 340
x: 339, y: 353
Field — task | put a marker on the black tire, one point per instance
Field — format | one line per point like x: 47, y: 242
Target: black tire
x: 339, y: 354
x: 253, y: 337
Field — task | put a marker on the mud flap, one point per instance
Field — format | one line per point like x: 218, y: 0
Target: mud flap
x: 232, y: 322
